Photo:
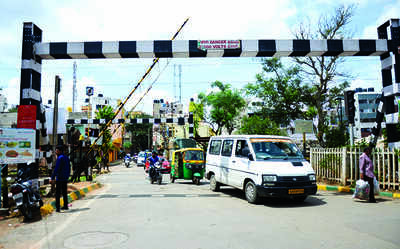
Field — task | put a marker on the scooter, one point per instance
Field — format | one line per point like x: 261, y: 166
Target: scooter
x: 155, y: 173
x: 26, y: 199
x: 127, y: 161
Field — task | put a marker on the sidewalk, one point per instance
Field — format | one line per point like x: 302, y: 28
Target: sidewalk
x: 76, y: 191
x: 347, y: 189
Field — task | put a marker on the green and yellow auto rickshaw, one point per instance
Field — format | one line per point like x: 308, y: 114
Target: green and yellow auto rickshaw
x: 188, y: 164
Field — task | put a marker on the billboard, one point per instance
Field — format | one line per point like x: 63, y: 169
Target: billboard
x: 17, y: 145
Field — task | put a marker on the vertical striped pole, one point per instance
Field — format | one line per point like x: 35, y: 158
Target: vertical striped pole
x: 31, y: 68
x: 191, y: 125
x: 390, y: 60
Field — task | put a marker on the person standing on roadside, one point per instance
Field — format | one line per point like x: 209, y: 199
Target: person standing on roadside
x: 60, y: 175
x: 367, y: 172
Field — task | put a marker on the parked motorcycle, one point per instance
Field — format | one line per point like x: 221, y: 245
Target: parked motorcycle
x: 155, y: 173
x: 26, y: 199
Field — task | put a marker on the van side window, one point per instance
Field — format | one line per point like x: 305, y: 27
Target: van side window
x: 215, y: 147
x: 227, y: 148
x: 242, y: 149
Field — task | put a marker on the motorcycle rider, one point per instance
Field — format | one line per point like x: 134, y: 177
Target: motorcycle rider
x: 127, y: 159
x: 152, y: 161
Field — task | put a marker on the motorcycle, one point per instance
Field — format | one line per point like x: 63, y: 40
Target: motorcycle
x: 26, y: 198
x: 127, y: 161
x: 155, y: 173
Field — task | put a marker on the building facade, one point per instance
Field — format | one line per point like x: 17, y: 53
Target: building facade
x: 163, y: 109
x: 365, y: 111
x: 3, y: 103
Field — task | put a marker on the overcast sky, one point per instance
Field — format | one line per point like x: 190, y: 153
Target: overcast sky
x: 102, y: 20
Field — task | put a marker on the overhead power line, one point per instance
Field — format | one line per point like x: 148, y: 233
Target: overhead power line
x: 155, y: 61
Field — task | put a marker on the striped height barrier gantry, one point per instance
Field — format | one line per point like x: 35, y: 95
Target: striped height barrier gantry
x: 34, y: 51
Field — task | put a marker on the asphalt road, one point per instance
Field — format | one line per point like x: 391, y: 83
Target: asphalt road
x: 129, y: 212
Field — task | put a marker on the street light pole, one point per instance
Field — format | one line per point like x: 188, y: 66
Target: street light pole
x: 55, y: 115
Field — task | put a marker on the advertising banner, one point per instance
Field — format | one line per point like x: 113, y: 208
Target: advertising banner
x: 17, y: 145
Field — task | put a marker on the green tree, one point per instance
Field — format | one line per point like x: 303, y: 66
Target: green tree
x: 127, y: 145
x: 336, y: 137
x: 224, y: 107
x: 105, y: 113
x: 258, y: 125
x: 279, y: 92
x: 140, y: 133
x: 13, y: 109
x: 198, y: 114
x: 326, y: 79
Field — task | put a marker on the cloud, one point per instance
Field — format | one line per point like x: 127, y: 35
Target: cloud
x: 148, y: 20
x: 145, y: 20
x: 12, y: 91
x: 389, y: 12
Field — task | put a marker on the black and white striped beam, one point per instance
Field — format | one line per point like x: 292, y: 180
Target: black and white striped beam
x: 179, y: 121
x: 188, y: 49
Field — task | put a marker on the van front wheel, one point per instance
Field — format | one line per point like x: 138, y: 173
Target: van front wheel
x: 251, y: 192
x: 214, y: 185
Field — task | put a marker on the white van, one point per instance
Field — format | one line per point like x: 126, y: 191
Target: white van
x: 260, y: 165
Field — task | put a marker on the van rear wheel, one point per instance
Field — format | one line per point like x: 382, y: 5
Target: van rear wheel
x: 214, y: 185
x: 251, y: 192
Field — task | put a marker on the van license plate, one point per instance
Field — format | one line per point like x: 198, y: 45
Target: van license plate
x: 296, y: 191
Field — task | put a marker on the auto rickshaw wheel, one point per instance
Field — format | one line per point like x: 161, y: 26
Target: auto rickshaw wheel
x: 196, y: 180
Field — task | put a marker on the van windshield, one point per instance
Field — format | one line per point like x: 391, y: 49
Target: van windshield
x: 272, y: 148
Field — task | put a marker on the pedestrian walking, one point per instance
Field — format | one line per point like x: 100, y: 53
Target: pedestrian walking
x: 367, y: 172
x: 60, y: 175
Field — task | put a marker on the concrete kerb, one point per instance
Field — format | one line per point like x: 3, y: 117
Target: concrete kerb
x: 351, y: 190
x: 77, y: 194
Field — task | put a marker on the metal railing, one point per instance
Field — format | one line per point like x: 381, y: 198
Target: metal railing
x: 341, y: 165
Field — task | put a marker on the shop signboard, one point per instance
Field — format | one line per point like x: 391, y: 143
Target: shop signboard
x: 17, y: 145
